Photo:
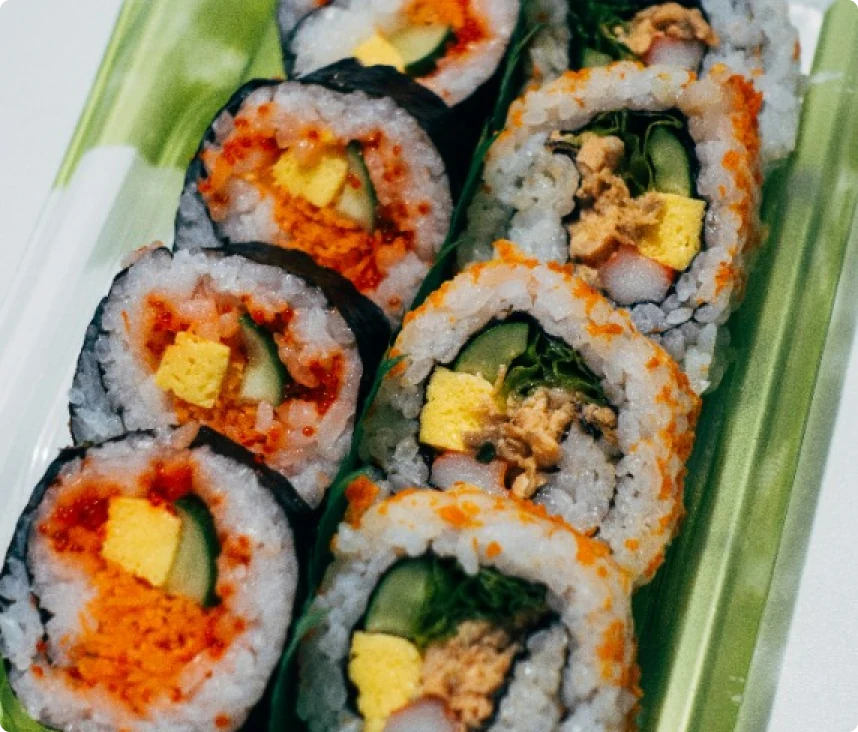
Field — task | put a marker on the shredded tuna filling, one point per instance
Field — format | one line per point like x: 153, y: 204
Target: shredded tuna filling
x: 610, y: 217
x: 528, y: 434
x: 467, y: 670
x: 669, y: 20
x: 217, y: 319
x: 249, y: 154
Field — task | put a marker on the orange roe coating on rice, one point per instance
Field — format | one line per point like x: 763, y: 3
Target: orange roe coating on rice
x: 493, y: 549
x: 360, y: 494
x: 612, y: 651
x: 250, y: 152
x: 230, y: 415
x: 135, y: 640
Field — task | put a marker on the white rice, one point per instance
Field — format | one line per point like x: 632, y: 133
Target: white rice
x: 528, y: 191
x: 263, y: 598
x: 594, y: 692
x: 632, y: 501
x: 334, y: 32
x: 311, y: 460
x: 349, y: 117
x: 756, y: 39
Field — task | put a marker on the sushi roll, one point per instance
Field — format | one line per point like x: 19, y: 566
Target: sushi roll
x: 461, y: 611
x: 352, y: 179
x: 149, y: 585
x: 263, y: 346
x: 645, y: 179
x: 754, y: 38
x: 519, y: 378
x: 451, y: 47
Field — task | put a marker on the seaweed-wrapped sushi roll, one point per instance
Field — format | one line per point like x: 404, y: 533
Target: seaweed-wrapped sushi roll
x: 149, y: 586
x: 519, y: 378
x: 452, y: 47
x: 644, y: 178
x: 461, y: 611
x: 351, y: 179
x: 754, y: 38
x: 254, y: 350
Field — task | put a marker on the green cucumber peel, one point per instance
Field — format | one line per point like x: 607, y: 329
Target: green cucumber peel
x: 455, y: 596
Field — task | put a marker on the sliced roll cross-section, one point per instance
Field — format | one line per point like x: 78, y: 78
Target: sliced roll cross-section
x: 452, y: 47
x: 752, y: 37
x: 350, y: 179
x: 248, y: 348
x: 645, y: 179
x: 460, y: 611
x: 149, y: 586
x: 519, y: 378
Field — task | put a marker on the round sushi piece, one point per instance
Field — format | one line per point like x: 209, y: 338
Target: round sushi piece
x: 645, y: 179
x: 252, y: 345
x: 149, y: 586
x: 351, y: 179
x: 451, y: 47
x: 752, y: 37
x: 461, y: 611
x: 519, y: 378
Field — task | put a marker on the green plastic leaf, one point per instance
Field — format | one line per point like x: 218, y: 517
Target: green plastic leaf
x: 510, y: 85
x: 13, y: 717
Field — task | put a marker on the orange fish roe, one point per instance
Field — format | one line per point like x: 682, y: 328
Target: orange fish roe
x: 333, y: 240
x: 360, y: 494
x: 137, y: 640
x: 230, y: 415
x: 612, y: 651
x: 468, y: 27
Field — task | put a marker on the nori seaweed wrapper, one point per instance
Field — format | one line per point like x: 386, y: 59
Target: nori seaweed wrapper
x: 301, y: 519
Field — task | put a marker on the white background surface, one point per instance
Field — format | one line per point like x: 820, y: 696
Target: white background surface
x: 49, y: 53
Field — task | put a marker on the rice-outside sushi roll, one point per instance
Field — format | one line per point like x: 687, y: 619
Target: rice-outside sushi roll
x: 645, y: 179
x: 461, y: 611
x: 519, y: 378
x: 248, y: 348
x: 752, y: 37
x: 149, y: 586
x: 452, y: 47
x: 350, y: 179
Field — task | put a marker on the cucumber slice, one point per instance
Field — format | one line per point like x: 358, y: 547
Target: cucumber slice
x: 265, y: 375
x: 591, y: 58
x: 397, y: 604
x: 194, y: 570
x: 670, y: 163
x: 498, y: 346
x: 358, y: 200
x: 421, y: 46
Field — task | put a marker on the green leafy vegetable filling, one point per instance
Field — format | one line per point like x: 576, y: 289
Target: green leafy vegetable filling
x: 456, y: 596
x: 635, y: 129
x: 552, y: 363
